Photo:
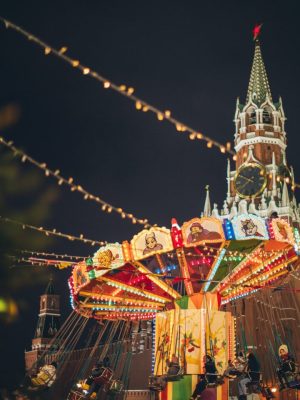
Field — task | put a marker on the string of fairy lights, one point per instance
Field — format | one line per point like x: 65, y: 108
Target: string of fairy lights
x: 124, y: 90
x: 39, y: 262
x: 127, y: 91
x: 53, y: 232
x: 52, y: 254
x: 74, y: 187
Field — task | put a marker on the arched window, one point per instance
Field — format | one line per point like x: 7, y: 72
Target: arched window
x: 267, y: 116
x: 252, y: 118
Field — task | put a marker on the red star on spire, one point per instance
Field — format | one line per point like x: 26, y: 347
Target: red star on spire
x: 256, y: 31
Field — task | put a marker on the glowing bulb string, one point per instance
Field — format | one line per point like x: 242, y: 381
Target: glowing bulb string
x: 105, y: 207
x: 42, y: 262
x: 53, y: 232
x: 267, y: 287
x: 122, y: 89
x: 82, y: 258
x: 58, y: 256
x: 231, y: 253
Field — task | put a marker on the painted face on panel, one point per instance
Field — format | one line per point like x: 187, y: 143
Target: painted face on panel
x: 151, y: 243
x: 250, y: 228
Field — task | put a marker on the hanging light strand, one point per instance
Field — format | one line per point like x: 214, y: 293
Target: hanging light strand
x: 55, y: 255
x: 124, y: 90
x: 105, y: 207
x: 53, y: 232
x: 41, y: 262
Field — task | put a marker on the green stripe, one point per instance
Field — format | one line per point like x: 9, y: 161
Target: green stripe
x: 183, y: 302
x: 182, y: 389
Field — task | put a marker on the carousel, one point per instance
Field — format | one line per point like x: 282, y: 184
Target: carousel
x: 181, y: 279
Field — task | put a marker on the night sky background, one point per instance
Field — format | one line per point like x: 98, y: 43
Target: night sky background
x: 191, y: 57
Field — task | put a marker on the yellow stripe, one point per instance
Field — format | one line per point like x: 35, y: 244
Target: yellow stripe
x: 170, y: 391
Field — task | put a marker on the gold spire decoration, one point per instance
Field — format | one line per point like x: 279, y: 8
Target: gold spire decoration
x: 259, y: 88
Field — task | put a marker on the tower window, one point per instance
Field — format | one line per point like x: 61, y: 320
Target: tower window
x: 253, y: 117
x: 267, y: 117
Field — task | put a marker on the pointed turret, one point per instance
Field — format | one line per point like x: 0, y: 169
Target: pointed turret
x: 50, y: 287
x: 228, y: 180
x: 285, y: 199
x: 207, y: 206
x: 259, y: 88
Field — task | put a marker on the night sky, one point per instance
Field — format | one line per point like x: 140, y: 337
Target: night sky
x: 191, y: 57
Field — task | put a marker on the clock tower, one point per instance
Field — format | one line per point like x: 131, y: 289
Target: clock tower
x: 260, y: 182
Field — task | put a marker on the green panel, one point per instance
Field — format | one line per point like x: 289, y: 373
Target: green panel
x: 182, y: 389
x: 227, y: 266
x: 183, y: 302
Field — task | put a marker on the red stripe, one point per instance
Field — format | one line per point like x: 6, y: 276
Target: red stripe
x: 164, y: 394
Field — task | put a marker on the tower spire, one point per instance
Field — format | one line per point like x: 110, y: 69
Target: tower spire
x: 259, y: 88
x: 207, y: 206
x: 50, y: 287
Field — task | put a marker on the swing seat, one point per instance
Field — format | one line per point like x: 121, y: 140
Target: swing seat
x: 219, y: 381
x: 105, y: 376
x: 266, y: 392
x: 42, y: 379
x: 232, y: 374
x: 292, y: 379
x: 174, y: 375
x: 116, y: 386
x: 76, y: 395
x: 156, y: 383
x: 254, y: 387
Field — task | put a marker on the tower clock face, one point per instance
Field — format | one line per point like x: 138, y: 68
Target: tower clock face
x: 250, y: 180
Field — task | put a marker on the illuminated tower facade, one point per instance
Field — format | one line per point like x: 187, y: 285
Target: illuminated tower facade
x: 47, y: 325
x: 260, y: 182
